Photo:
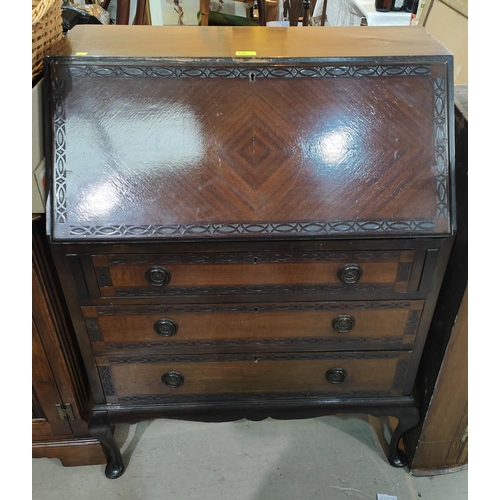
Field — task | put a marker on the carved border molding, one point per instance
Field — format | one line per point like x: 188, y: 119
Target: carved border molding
x: 288, y: 342
x: 107, y: 381
x: 275, y: 71
x: 441, y: 151
x: 293, y: 228
x: 249, y: 257
x: 58, y: 90
x: 271, y: 356
x: 251, y: 289
x: 261, y: 307
x: 400, y: 374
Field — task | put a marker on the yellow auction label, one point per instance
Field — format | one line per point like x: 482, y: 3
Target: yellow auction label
x: 246, y: 53
x: 81, y: 53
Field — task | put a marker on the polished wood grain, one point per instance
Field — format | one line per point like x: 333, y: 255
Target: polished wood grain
x: 113, y: 273
x: 232, y: 197
x: 244, y: 163
x: 305, y: 325
x: 201, y: 42
x: 253, y: 375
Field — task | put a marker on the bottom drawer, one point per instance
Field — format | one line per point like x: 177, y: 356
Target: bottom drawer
x: 160, y: 378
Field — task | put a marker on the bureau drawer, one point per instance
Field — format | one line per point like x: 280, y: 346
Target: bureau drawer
x: 139, y: 275
x: 299, y: 325
x: 139, y: 379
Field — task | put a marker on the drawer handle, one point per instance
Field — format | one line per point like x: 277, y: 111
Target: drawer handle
x: 336, y: 375
x: 343, y: 323
x: 172, y: 379
x: 350, y: 273
x: 158, y: 276
x: 165, y: 327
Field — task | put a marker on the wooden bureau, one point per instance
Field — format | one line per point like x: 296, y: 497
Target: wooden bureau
x: 250, y: 222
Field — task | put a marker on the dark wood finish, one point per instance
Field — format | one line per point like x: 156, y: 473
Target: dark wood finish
x: 57, y: 374
x: 100, y: 429
x: 264, y: 161
x: 119, y: 275
x: 71, y: 452
x: 247, y: 260
x: 300, y: 325
x: 257, y: 373
x: 438, y: 444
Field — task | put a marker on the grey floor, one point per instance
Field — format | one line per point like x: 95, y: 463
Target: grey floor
x: 327, y: 458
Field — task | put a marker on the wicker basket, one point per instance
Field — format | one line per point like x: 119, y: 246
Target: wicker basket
x: 46, y: 29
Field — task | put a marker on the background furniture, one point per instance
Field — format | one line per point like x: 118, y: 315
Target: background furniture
x: 60, y: 394
x: 357, y: 12
x: 215, y: 266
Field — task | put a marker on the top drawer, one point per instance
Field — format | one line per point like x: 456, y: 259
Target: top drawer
x: 145, y: 275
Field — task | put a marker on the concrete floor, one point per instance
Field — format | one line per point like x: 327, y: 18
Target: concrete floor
x: 327, y: 458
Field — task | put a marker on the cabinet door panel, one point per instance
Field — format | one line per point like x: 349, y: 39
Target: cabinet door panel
x: 45, y: 394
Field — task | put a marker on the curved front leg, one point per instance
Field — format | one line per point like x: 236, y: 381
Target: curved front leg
x: 408, y: 418
x: 100, y: 429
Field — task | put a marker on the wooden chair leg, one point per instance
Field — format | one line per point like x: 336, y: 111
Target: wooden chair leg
x: 261, y: 5
x: 122, y: 11
x: 204, y: 9
x: 140, y: 12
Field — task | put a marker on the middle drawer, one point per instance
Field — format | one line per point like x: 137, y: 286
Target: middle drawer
x: 302, y: 325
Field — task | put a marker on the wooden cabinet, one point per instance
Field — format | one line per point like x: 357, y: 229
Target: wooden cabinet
x: 59, y: 391
x: 250, y: 237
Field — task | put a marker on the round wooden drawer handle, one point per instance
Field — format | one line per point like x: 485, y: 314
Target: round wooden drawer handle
x: 343, y: 323
x: 172, y: 379
x: 165, y: 327
x: 336, y: 375
x: 350, y: 273
x: 158, y: 276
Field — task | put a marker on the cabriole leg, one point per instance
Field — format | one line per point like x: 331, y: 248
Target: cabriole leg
x: 100, y: 429
x: 407, y: 419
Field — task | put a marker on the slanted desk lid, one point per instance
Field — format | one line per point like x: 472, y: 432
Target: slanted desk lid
x: 158, y: 148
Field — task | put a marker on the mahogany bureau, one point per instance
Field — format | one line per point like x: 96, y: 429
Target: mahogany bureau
x: 250, y: 222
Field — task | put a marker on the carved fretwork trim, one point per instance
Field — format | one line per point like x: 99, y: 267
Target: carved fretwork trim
x: 107, y: 381
x: 403, y: 273
x: 288, y: 342
x: 315, y: 228
x: 400, y: 374
x: 251, y: 307
x: 441, y: 150
x: 255, y: 289
x: 248, y: 257
x: 249, y: 397
x: 58, y: 89
x: 275, y: 71
x: 272, y: 356
x: 412, y: 323
x: 93, y: 329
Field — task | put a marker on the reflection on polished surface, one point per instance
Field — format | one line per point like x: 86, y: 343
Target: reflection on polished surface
x: 335, y: 145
